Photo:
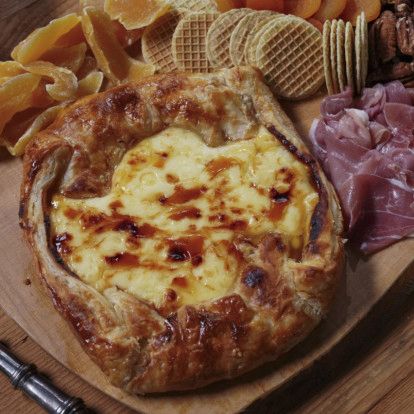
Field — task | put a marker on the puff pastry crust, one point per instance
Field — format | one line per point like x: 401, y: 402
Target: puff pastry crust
x: 275, y: 302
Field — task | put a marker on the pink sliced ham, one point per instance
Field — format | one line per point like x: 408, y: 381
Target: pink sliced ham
x: 366, y: 147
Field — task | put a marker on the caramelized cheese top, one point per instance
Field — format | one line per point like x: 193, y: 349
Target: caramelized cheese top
x: 166, y: 231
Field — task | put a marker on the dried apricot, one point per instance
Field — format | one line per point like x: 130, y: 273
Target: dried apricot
x: 126, y: 37
x: 274, y: 5
x: 353, y: 9
x: 16, y: 95
x: 316, y: 23
x: 65, y: 83
x: 133, y: 14
x: 71, y: 58
x: 329, y: 10
x: 302, y: 8
x: 44, y: 38
x: 111, y: 57
x: 71, y: 38
x: 226, y: 5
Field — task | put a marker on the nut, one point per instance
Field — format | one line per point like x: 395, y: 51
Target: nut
x: 392, y: 71
x: 386, y: 36
x: 405, y: 35
x: 403, y: 8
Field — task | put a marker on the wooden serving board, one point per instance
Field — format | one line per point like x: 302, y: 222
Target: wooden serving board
x: 366, y: 282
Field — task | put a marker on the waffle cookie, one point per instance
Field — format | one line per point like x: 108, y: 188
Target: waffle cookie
x: 290, y: 56
x: 240, y: 34
x: 219, y: 35
x: 195, y: 5
x: 253, y: 38
x: 157, y: 42
x: 189, y: 42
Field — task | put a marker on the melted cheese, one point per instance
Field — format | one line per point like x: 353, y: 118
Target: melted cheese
x: 164, y: 232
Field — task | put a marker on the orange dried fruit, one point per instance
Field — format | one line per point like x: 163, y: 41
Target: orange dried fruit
x: 25, y: 125
x: 112, y: 59
x: 42, y: 39
x: 89, y: 65
x: 274, y: 5
x: 90, y: 84
x: 71, y: 58
x: 65, y: 83
x: 354, y: 8
x: 302, y: 8
x: 330, y: 10
x: 72, y: 37
x: 126, y: 37
x: 16, y: 95
x: 135, y: 14
x: 98, y: 4
x: 9, y: 69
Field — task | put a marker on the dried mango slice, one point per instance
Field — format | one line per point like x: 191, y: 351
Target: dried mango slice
x: 126, y: 37
x: 25, y: 125
x: 65, y: 83
x: 71, y: 38
x: 136, y: 14
x: 16, y: 95
x: 89, y: 65
x: 111, y: 57
x: 71, y: 58
x: 42, y: 39
x: 10, y: 68
x: 98, y: 4
x: 90, y: 84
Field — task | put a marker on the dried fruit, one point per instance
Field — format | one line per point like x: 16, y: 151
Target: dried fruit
x: 16, y: 95
x: 71, y: 38
x: 353, y: 9
x: 226, y: 5
x: 329, y: 10
x: 126, y: 37
x: 90, y: 84
x: 133, y: 14
x: 71, y: 58
x: 25, y: 125
x: 9, y: 69
x: 64, y: 84
x: 111, y: 57
x: 44, y: 38
x: 302, y: 8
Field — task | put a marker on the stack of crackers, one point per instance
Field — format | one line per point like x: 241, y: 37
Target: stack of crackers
x: 287, y: 49
x: 345, y: 55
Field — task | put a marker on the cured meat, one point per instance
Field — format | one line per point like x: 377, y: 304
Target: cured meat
x: 366, y: 147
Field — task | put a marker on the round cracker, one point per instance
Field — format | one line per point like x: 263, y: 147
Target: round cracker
x: 219, y: 34
x: 326, y: 38
x: 334, y: 72
x: 364, y: 50
x: 241, y: 32
x: 290, y: 56
x: 189, y: 42
x: 358, y: 56
x: 349, y: 54
x: 340, y: 54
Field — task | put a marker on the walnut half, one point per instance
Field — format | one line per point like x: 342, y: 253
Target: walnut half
x: 405, y: 35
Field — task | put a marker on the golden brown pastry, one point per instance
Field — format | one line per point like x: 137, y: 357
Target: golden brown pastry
x: 182, y: 228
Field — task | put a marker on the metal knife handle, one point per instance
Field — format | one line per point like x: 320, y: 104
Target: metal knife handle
x: 24, y: 377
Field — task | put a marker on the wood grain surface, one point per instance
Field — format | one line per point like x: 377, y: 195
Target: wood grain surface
x: 336, y: 386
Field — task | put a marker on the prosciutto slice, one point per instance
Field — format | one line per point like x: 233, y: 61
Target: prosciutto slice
x: 366, y: 147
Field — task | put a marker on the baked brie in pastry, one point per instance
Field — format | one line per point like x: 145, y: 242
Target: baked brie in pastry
x: 182, y: 228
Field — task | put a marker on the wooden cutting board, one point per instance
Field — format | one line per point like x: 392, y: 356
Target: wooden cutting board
x: 366, y: 282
